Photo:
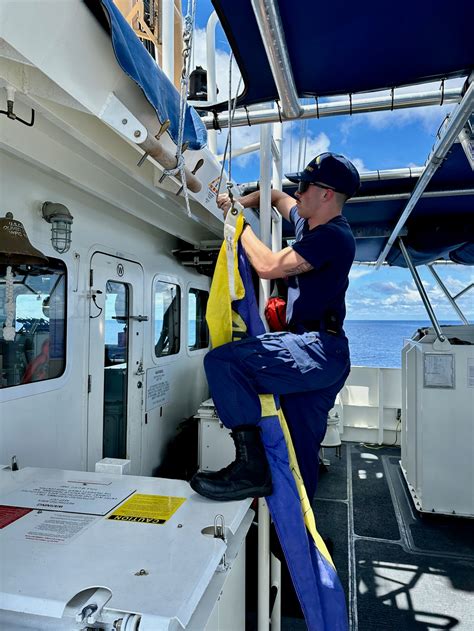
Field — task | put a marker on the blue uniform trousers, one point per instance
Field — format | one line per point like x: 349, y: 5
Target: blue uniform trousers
x: 307, y: 370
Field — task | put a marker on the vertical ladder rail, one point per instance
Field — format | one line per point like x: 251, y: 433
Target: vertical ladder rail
x: 263, y: 514
x: 277, y: 226
x: 275, y: 570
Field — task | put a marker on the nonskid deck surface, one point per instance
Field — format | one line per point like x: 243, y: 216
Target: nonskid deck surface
x: 399, y: 570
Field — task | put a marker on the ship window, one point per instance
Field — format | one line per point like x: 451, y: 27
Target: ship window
x: 37, y: 313
x: 198, y: 333
x: 167, y: 318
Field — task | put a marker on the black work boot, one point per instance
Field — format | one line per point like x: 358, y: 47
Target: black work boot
x: 248, y: 476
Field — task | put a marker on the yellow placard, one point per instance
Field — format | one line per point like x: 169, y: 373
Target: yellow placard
x: 147, y: 509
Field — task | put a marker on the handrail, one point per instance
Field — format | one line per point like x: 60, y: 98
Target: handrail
x: 244, y: 117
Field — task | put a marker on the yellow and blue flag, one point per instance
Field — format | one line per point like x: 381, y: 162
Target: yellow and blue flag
x: 232, y: 313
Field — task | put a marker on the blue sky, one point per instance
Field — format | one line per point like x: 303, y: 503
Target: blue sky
x: 373, y: 141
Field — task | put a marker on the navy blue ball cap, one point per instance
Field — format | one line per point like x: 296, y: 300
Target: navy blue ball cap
x: 332, y: 170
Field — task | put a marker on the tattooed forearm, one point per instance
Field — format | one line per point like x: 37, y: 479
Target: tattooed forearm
x: 300, y: 269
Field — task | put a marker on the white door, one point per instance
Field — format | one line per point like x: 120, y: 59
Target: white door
x: 116, y: 375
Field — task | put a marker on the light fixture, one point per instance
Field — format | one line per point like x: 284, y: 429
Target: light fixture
x: 61, y: 220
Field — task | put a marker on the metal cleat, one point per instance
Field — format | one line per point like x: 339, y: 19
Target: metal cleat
x: 164, y: 127
x: 198, y: 165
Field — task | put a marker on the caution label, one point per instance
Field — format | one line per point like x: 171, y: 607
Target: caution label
x: 147, y: 509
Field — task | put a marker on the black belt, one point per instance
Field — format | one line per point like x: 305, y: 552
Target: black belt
x: 314, y: 325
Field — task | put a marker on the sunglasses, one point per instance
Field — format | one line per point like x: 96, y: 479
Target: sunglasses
x: 303, y: 186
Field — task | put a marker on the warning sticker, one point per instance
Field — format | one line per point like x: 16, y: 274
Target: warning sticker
x: 9, y: 514
x: 70, y: 496
x: 147, y: 509
x: 59, y: 527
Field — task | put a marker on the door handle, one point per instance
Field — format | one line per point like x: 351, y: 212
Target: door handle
x: 137, y: 318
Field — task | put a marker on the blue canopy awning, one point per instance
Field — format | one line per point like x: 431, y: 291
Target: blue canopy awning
x: 441, y: 225
x: 343, y: 47
x: 139, y: 65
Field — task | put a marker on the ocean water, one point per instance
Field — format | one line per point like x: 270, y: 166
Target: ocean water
x: 376, y: 343
x: 379, y: 342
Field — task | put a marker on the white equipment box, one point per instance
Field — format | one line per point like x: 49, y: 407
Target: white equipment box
x: 86, y: 550
x: 438, y: 421
x: 216, y: 447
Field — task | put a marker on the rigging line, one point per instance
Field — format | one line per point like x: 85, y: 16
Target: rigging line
x: 302, y: 143
x: 303, y: 128
x: 291, y: 146
x: 228, y: 131
x: 305, y: 137
x: 305, y: 147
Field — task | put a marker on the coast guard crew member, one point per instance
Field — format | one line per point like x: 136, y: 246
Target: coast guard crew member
x: 307, y: 364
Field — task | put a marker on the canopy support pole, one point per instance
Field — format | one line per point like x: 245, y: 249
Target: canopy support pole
x: 167, y: 12
x: 422, y: 291
x: 277, y: 151
x: 244, y: 117
x: 444, y: 289
x: 211, y: 72
x: 263, y: 514
x: 453, y: 128
x: 269, y: 23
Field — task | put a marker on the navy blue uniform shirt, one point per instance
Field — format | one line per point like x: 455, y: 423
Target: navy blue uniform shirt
x: 330, y: 249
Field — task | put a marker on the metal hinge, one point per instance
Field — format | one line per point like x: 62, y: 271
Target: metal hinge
x: 89, y: 383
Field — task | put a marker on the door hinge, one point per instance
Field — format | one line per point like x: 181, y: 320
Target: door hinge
x: 89, y: 383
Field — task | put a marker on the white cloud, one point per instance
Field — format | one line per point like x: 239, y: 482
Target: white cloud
x: 399, y: 299
x: 359, y: 164
x: 359, y: 272
x: 300, y: 146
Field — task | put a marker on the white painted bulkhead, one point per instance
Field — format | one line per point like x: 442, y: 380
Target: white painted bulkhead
x: 45, y: 423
